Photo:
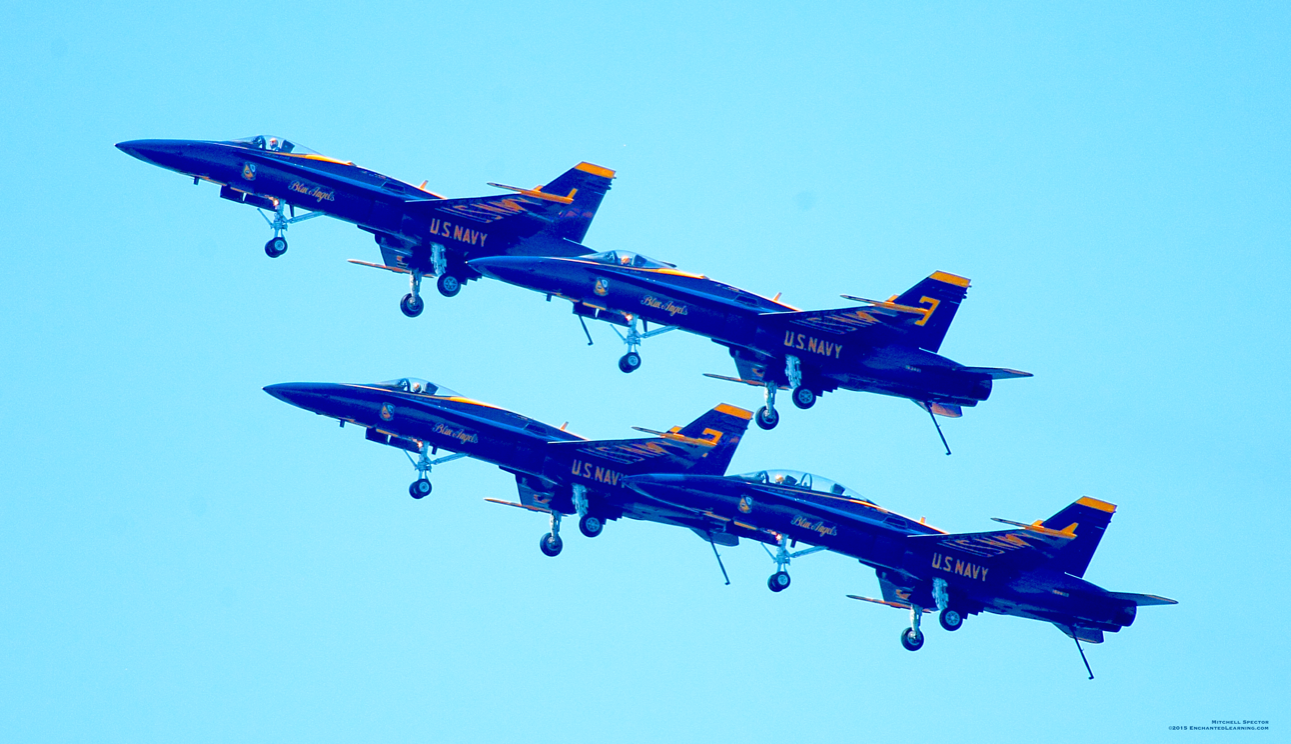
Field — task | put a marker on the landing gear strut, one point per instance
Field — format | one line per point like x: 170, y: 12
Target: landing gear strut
x: 589, y: 525
x: 421, y: 487
x: 277, y: 245
x: 950, y: 618
x: 767, y: 417
x: 412, y: 304
x: 912, y: 637
x: 803, y: 396
x: 551, y: 544
x: 631, y: 361
x: 780, y: 580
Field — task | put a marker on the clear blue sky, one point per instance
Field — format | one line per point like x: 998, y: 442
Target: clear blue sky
x: 184, y: 558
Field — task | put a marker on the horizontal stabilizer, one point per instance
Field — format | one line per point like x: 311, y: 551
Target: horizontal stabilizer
x: 898, y: 605
x: 754, y: 383
x: 369, y: 264
x: 519, y: 506
x: 996, y: 373
x: 1143, y: 600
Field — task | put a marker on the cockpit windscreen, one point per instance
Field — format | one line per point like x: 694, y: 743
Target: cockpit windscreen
x: 625, y: 258
x: 418, y: 386
x: 806, y: 481
x: 273, y: 143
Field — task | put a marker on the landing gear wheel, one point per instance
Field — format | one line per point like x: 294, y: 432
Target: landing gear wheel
x: 804, y: 397
x: 766, y: 418
x: 275, y: 247
x: 419, y: 489
x: 590, y: 526
x: 950, y: 619
x: 411, y: 305
x: 551, y: 545
x: 449, y: 285
x: 778, y: 582
x: 911, y: 639
x: 630, y: 362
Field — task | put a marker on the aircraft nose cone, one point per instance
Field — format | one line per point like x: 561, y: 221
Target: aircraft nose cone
x: 164, y: 153
x: 506, y: 268
x: 311, y: 396
x: 652, y: 484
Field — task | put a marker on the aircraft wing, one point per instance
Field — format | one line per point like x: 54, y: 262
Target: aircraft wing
x: 1015, y: 549
x: 839, y: 321
x: 997, y: 373
x: 477, y: 211
x: 1143, y: 600
x: 627, y: 451
x: 1088, y: 635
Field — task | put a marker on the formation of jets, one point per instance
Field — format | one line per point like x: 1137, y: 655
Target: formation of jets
x: 533, y: 238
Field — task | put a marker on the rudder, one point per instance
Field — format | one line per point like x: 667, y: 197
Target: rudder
x: 1088, y: 518
x: 724, y: 426
x: 587, y: 184
x: 939, y: 295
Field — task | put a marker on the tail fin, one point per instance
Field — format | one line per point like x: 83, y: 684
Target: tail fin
x: 704, y: 447
x: 1088, y: 518
x: 723, y: 426
x: 586, y: 184
x: 940, y: 295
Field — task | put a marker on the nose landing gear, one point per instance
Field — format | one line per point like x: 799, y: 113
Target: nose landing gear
x: 631, y: 361
x: 421, y: 487
x: 277, y: 245
x: 779, y: 581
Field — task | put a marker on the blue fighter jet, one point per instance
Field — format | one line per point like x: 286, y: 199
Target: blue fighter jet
x: 419, y: 232
x: 1035, y: 571
x: 557, y: 473
x: 887, y: 347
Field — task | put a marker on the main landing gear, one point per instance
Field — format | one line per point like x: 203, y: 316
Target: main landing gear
x: 631, y: 361
x: 779, y: 581
x: 589, y: 524
x: 277, y: 245
x: 448, y: 284
x: 950, y: 618
x: 421, y: 488
x: 803, y: 396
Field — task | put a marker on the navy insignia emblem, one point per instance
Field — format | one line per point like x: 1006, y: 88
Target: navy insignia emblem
x: 602, y: 288
x: 387, y: 411
x: 249, y: 171
x: 746, y: 504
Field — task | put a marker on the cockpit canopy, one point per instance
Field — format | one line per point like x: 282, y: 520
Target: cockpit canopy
x: 418, y: 386
x: 274, y: 143
x: 806, y: 481
x: 624, y: 258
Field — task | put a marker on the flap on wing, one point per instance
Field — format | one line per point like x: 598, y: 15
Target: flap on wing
x: 1017, y: 548
x: 630, y: 452
x: 485, y: 209
x: 949, y: 410
x: 997, y: 373
x: 838, y: 321
x: 1088, y: 635
x: 1143, y: 600
x: 725, y: 539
